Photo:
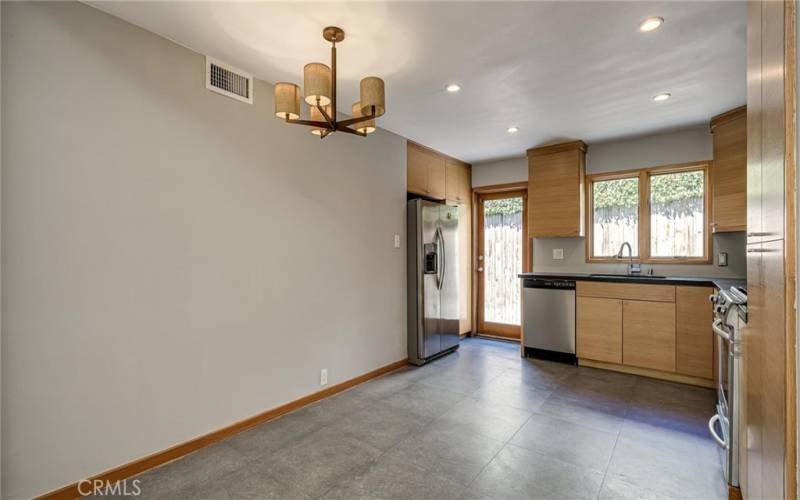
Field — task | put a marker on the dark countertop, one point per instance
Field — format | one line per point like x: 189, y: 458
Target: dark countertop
x: 721, y: 283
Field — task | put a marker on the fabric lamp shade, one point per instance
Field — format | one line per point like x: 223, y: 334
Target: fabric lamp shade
x: 372, y: 94
x: 366, y: 127
x: 317, y: 84
x: 287, y: 100
x: 317, y: 116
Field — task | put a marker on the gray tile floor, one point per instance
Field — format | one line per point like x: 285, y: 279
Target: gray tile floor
x: 481, y: 423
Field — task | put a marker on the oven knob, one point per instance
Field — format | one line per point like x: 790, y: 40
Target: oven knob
x: 713, y: 298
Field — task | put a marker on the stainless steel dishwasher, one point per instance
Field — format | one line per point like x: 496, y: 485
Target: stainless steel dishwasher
x: 549, y: 318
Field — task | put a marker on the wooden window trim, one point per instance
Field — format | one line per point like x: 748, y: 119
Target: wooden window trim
x: 644, y: 175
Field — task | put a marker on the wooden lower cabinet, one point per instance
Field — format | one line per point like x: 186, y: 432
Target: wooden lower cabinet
x: 599, y: 329
x: 662, y: 331
x: 694, y: 337
x: 648, y: 339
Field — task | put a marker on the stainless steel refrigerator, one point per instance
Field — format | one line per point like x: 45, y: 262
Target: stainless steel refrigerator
x: 432, y: 280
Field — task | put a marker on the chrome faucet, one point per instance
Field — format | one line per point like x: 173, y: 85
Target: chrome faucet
x: 632, y: 268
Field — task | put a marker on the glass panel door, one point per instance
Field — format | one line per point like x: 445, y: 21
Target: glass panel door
x: 500, y: 260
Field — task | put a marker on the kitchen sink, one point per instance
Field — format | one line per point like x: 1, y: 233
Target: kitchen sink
x: 627, y: 276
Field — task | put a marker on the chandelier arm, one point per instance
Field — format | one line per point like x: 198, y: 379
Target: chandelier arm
x: 310, y: 123
x: 342, y: 128
x: 325, y: 133
x: 353, y: 121
x: 328, y: 119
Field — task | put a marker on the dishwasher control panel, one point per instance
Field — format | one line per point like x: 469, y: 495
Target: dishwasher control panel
x: 540, y: 283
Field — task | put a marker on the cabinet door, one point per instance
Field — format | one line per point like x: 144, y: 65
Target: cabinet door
x: 764, y: 366
x: 555, y: 185
x: 694, y: 337
x: 436, y: 177
x: 417, y: 170
x: 599, y: 329
x: 773, y: 125
x: 648, y: 335
x: 729, y: 174
x: 465, y: 268
x: 754, y: 119
x: 452, y: 180
x: 466, y: 184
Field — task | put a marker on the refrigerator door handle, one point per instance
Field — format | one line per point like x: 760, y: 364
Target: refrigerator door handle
x: 443, y: 261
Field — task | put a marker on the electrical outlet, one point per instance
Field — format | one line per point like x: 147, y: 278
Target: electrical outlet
x: 323, y: 377
x: 397, y: 241
x: 558, y: 254
x: 722, y: 259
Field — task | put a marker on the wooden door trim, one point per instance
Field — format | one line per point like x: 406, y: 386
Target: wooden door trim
x: 790, y: 250
x: 479, y: 195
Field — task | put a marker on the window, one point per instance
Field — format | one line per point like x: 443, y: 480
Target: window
x: 677, y: 214
x: 661, y: 212
x: 615, y: 216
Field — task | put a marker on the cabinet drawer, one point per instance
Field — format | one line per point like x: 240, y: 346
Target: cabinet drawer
x: 629, y: 291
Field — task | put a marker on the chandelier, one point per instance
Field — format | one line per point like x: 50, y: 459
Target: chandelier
x: 319, y: 82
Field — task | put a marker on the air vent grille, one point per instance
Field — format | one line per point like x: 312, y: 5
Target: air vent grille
x: 228, y: 81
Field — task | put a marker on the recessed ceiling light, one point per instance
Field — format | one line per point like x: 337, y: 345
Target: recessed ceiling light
x: 512, y: 130
x: 651, y: 23
x: 453, y: 87
x: 662, y: 97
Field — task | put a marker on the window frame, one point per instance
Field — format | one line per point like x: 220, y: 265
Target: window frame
x: 643, y: 225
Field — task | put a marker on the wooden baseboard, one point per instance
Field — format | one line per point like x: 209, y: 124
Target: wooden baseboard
x: 646, y: 372
x: 131, y: 469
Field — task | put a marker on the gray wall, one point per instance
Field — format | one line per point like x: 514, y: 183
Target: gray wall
x: 504, y: 171
x: 173, y: 260
x: 575, y: 259
x: 678, y: 146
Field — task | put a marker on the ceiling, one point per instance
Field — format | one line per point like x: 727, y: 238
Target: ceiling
x: 556, y: 70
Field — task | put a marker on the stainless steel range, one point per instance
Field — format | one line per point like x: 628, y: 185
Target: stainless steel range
x: 730, y: 314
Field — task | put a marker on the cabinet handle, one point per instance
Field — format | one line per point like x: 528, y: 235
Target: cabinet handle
x: 759, y: 250
x: 758, y: 235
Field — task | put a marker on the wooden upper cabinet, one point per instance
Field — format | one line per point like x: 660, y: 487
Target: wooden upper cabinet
x: 425, y: 172
x: 417, y: 170
x: 555, y: 190
x: 458, y: 181
x: 729, y: 172
x: 437, y: 176
x: 694, y: 337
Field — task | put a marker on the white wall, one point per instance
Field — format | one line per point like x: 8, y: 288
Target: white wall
x: 173, y: 260
x: 679, y: 146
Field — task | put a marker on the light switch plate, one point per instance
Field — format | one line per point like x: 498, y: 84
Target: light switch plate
x: 722, y: 259
x: 397, y: 241
x: 558, y: 254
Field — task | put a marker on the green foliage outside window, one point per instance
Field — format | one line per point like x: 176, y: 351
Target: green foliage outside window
x: 505, y: 206
x: 675, y: 192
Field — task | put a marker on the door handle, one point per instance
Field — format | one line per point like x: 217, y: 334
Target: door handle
x: 480, y: 269
x: 717, y: 327
x: 444, y: 258
x: 713, y: 431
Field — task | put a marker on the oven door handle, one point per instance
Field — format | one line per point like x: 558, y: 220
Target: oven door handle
x: 717, y: 327
x: 713, y: 431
